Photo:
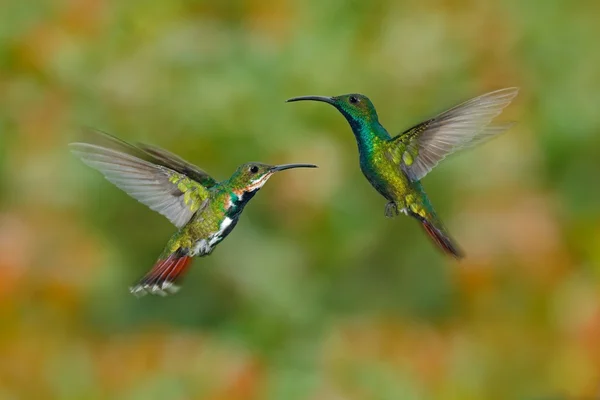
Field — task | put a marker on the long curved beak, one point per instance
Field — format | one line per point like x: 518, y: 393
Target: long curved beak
x: 283, y: 167
x: 313, y: 98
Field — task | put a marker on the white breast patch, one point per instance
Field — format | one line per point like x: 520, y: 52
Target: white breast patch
x: 205, y: 246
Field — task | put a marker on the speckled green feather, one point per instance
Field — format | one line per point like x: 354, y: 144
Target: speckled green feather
x: 395, y: 165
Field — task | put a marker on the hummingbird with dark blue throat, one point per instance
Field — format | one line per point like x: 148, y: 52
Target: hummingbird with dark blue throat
x: 395, y: 165
x: 203, y: 209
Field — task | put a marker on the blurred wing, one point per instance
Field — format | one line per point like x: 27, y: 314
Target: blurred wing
x: 419, y: 149
x: 172, y: 194
x: 176, y: 163
x: 152, y: 154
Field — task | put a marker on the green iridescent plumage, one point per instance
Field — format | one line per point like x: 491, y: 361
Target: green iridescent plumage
x: 395, y: 165
x: 204, y: 210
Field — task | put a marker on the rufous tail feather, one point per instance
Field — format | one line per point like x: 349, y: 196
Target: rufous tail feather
x: 162, y: 277
x: 442, y: 239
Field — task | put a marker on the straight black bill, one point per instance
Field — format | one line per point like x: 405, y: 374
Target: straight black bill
x: 283, y: 167
x: 313, y: 98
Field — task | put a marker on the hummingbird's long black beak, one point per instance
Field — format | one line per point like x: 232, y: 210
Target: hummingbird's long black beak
x: 324, y: 99
x: 283, y: 167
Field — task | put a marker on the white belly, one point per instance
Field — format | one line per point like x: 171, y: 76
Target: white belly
x: 206, y: 246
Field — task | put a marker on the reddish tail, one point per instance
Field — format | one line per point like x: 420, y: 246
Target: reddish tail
x: 441, y: 238
x: 162, y: 277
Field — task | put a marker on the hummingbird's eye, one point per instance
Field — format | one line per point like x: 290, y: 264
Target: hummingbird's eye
x: 353, y: 99
x: 254, y: 169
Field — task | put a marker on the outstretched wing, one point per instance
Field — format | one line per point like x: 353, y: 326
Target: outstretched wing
x: 167, y: 159
x: 169, y: 192
x: 419, y: 149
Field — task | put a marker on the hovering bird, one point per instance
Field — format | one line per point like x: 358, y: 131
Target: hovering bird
x: 395, y: 165
x: 205, y: 211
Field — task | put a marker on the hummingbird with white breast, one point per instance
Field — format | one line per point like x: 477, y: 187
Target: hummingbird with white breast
x: 203, y: 209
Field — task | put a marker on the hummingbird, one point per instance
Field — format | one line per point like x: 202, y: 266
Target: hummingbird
x: 395, y: 165
x: 203, y: 209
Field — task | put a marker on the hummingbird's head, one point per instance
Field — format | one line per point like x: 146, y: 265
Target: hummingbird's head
x: 357, y: 108
x: 250, y: 177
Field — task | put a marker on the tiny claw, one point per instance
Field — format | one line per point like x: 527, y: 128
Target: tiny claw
x: 391, y: 210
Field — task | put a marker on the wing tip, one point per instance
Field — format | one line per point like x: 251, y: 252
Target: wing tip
x: 76, y: 147
x: 504, y: 95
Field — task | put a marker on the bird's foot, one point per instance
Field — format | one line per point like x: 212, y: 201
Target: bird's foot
x: 391, y: 210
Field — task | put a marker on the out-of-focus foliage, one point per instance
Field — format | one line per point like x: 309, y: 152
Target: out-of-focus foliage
x: 315, y: 295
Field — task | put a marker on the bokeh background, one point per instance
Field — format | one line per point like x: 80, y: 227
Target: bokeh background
x: 315, y: 295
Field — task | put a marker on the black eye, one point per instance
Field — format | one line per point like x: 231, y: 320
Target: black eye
x: 254, y: 169
x: 353, y: 99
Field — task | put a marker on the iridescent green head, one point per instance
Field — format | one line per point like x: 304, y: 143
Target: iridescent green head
x: 251, y: 177
x: 357, y: 108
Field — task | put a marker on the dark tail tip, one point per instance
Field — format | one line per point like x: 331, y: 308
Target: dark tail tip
x: 442, y: 240
x: 162, y: 277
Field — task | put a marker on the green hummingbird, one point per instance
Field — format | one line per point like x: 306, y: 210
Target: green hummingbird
x: 395, y: 165
x: 204, y: 210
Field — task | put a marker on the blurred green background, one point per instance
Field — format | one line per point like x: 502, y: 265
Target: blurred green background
x: 315, y: 295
